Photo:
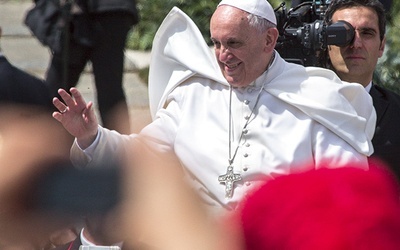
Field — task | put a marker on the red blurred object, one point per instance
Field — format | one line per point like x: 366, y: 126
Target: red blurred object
x: 344, y: 208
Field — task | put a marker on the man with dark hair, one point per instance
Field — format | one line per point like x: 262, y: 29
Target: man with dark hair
x: 387, y: 4
x: 357, y: 63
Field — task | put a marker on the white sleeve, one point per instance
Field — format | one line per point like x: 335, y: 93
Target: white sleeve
x: 339, y: 153
x: 160, y: 133
x: 105, y: 147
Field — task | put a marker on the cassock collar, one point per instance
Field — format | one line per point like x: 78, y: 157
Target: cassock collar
x: 265, y: 77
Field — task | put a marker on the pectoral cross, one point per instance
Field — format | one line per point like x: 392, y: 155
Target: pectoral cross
x: 229, y: 179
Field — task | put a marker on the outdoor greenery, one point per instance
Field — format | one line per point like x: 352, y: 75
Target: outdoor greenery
x: 153, y: 12
x: 388, y: 71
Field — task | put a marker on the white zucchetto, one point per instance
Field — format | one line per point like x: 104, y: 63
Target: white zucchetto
x: 260, y: 8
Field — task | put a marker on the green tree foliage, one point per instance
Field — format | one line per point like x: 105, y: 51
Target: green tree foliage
x: 387, y: 72
x: 153, y: 12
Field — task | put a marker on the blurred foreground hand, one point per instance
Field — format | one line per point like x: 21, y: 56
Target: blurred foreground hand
x: 157, y: 210
x: 30, y: 141
x: 161, y: 212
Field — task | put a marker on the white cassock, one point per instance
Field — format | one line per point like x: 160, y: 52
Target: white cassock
x: 305, y: 118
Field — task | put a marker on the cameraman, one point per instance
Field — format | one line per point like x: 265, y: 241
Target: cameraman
x: 357, y: 62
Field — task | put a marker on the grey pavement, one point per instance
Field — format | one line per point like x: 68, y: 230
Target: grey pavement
x: 25, y: 52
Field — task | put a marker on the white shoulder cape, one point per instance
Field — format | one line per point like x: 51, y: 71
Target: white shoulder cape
x: 180, y: 52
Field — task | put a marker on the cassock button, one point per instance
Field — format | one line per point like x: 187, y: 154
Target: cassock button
x: 245, y: 131
x: 248, y: 183
x: 247, y: 117
x: 247, y: 144
x: 246, y: 102
x: 245, y: 169
x: 246, y: 155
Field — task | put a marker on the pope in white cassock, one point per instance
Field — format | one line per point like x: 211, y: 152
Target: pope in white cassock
x: 238, y: 117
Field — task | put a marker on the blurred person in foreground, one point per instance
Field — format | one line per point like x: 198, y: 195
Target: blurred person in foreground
x: 236, y: 117
x: 344, y: 208
x: 19, y: 88
x: 30, y: 143
x: 182, y: 222
x: 357, y: 63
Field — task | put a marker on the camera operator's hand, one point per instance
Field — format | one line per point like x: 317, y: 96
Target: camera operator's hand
x: 77, y: 117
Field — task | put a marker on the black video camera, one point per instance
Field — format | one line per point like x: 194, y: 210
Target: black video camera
x: 303, y: 35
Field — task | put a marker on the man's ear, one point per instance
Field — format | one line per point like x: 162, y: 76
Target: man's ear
x: 382, y: 46
x: 271, y: 38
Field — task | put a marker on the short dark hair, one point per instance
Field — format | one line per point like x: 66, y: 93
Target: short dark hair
x: 376, y: 5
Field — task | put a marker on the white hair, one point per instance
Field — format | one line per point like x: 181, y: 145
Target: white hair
x: 260, y: 23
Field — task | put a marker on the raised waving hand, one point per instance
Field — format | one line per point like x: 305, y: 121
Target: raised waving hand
x: 77, y: 116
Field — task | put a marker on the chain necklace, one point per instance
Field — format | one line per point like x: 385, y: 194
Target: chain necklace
x: 229, y: 178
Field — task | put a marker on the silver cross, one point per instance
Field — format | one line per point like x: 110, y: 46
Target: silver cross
x: 229, y: 179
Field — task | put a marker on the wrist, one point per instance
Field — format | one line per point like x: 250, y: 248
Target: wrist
x: 85, y: 142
